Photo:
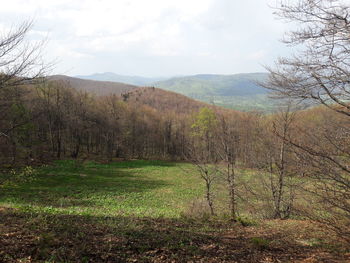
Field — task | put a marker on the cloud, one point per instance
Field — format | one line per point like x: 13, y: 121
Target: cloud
x: 126, y: 36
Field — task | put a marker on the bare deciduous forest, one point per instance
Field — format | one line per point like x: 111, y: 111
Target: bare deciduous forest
x: 108, y: 172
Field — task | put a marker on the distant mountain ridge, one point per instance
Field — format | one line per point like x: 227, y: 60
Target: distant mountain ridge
x: 236, y: 91
x: 239, y: 91
x: 216, y: 85
x: 100, y: 88
x: 157, y: 99
x: 132, y: 80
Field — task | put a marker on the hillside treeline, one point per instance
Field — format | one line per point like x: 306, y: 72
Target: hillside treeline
x: 51, y: 120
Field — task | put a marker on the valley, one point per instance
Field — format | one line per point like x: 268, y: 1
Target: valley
x: 239, y: 91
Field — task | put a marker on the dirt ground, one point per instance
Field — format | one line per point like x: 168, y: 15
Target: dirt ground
x: 28, y: 237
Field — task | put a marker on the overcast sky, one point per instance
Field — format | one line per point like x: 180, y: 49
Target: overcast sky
x: 152, y: 37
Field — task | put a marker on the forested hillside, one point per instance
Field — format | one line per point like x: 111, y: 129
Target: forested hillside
x: 109, y: 76
x: 99, y: 88
x: 216, y: 85
x: 59, y: 118
x: 239, y: 91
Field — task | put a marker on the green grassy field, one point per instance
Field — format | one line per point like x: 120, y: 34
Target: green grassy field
x: 134, y: 188
x: 139, y: 211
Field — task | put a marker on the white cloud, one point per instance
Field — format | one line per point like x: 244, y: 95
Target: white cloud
x: 206, y: 35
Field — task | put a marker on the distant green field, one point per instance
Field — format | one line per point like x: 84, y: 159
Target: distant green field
x: 259, y: 102
x: 133, y: 188
x: 239, y: 91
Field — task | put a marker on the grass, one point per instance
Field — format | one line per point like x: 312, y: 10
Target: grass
x: 260, y: 243
x: 133, y: 188
x: 133, y: 211
x: 137, y: 188
x: 258, y: 102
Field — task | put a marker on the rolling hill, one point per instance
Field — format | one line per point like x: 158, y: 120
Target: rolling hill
x: 158, y: 99
x: 237, y: 91
x: 164, y: 101
x: 99, y: 88
x: 133, y: 80
x: 216, y: 85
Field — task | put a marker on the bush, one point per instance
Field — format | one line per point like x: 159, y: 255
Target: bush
x: 246, y: 221
x: 260, y: 243
x: 27, y: 174
x: 198, y: 208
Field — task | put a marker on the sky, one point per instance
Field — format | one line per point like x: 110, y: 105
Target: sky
x: 151, y: 38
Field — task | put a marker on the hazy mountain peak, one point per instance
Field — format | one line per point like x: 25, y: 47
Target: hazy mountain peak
x: 110, y: 76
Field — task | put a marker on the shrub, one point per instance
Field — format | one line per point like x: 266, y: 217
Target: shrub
x: 260, y: 243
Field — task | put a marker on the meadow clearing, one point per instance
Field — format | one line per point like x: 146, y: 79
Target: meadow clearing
x: 141, y: 211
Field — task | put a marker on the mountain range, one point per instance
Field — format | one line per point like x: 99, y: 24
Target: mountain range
x: 216, y: 85
x: 236, y: 91
x: 132, y: 80
x: 158, y: 100
x: 100, y: 88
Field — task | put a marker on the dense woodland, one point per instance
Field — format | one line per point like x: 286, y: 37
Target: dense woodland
x: 302, y: 154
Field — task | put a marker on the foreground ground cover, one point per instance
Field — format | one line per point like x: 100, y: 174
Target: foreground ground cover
x: 137, y: 211
x: 134, y: 188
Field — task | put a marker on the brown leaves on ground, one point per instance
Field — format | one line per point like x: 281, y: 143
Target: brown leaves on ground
x: 52, y: 238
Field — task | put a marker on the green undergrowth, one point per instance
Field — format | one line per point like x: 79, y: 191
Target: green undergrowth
x: 140, y: 188
x: 139, y: 211
x: 129, y: 188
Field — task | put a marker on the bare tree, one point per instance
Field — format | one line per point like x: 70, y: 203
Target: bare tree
x: 282, y: 165
x: 319, y: 72
x: 208, y: 171
x: 20, y: 63
x: 201, y: 152
x: 227, y: 150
